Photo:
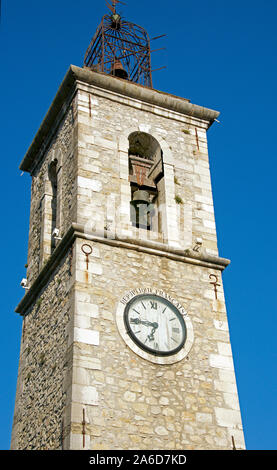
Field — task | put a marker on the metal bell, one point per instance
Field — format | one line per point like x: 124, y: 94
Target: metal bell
x: 141, y: 209
x: 118, y: 70
x: 141, y: 197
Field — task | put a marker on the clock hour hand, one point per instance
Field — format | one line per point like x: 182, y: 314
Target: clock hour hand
x: 154, y: 326
x: 151, y: 336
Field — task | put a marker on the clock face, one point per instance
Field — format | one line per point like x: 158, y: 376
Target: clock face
x: 155, y: 324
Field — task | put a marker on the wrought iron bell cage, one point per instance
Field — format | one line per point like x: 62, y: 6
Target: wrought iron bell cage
x: 122, y: 49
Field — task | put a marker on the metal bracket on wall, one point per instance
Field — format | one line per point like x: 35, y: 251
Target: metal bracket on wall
x: 214, y: 283
x: 87, y: 250
x: 84, y: 428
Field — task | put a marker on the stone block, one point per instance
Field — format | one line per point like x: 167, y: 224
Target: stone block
x: 228, y: 418
x: 87, y: 362
x: 231, y: 400
x: 87, y: 309
x: 86, y: 395
x: 88, y: 336
x: 224, y: 349
x: 221, y: 362
x: 87, y: 183
x: 82, y: 321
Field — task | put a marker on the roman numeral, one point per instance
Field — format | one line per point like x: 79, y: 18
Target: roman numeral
x: 153, y: 305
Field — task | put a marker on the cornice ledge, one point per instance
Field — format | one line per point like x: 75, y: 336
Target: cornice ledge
x: 145, y: 246
x: 153, y: 247
x: 143, y: 93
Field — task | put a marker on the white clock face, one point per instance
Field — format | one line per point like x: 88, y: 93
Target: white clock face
x: 155, y: 324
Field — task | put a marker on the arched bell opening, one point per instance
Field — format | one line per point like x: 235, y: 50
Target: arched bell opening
x: 145, y: 173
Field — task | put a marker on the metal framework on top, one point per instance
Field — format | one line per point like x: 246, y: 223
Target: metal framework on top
x: 121, y: 49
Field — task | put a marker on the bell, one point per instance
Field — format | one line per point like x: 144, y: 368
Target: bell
x: 118, y: 70
x: 141, y: 209
x: 141, y: 197
x: 116, y: 21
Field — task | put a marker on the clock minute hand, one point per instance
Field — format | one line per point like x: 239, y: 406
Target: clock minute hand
x: 137, y: 321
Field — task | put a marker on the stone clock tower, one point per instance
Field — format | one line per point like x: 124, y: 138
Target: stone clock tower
x: 125, y: 341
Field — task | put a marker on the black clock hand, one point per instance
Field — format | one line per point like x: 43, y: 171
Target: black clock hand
x: 137, y: 321
x: 151, y: 336
x: 154, y: 325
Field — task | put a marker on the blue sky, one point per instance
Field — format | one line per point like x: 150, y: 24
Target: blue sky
x: 218, y: 54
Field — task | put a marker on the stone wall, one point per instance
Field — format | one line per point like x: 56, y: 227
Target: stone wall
x: 129, y: 402
x: 45, y: 366
x: 60, y: 146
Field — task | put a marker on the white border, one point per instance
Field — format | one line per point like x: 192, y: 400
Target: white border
x: 136, y: 349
